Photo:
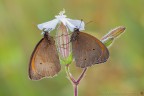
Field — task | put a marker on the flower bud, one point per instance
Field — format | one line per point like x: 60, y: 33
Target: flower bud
x: 112, y: 35
x: 63, y: 44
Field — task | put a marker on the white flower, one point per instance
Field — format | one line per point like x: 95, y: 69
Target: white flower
x: 69, y: 23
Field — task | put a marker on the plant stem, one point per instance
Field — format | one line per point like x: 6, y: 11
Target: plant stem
x: 82, y: 74
x: 75, y: 90
x: 72, y: 79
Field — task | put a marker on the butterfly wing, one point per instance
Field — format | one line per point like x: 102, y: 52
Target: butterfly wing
x: 88, y: 50
x: 44, y: 61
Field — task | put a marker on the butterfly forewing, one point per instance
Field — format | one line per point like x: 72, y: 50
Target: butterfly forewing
x: 44, y: 60
x: 88, y: 50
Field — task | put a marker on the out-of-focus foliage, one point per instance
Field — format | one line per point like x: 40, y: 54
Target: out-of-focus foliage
x: 122, y: 75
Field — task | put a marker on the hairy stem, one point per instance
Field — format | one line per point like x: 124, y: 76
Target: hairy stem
x: 75, y: 82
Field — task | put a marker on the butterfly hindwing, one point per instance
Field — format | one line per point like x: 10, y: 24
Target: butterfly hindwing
x: 44, y: 60
x: 88, y: 50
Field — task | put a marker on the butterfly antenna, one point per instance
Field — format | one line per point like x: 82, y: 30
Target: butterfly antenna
x: 80, y: 24
x: 89, y: 22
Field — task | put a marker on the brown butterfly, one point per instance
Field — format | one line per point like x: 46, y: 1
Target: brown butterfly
x: 44, y: 60
x: 87, y: 50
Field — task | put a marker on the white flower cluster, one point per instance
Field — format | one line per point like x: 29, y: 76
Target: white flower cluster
x: 69, y: 23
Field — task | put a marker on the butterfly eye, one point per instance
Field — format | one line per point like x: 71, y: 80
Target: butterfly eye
x: 47, y: 30
x: 76, y: 29
x: 44, y: 29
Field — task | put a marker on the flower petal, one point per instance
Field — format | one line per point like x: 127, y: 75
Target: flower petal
x: 50, y: 25
x: 66, y: 23
x: 77, y: 23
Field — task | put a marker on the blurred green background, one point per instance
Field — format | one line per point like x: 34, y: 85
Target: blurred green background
x: 122, y: 75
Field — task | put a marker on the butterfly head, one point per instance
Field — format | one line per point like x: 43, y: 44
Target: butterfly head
x: 46, y: 32
x: 76, y: 29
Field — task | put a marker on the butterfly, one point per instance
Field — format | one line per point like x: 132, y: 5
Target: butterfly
x: 87, y: 49
x: 44, y: 61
